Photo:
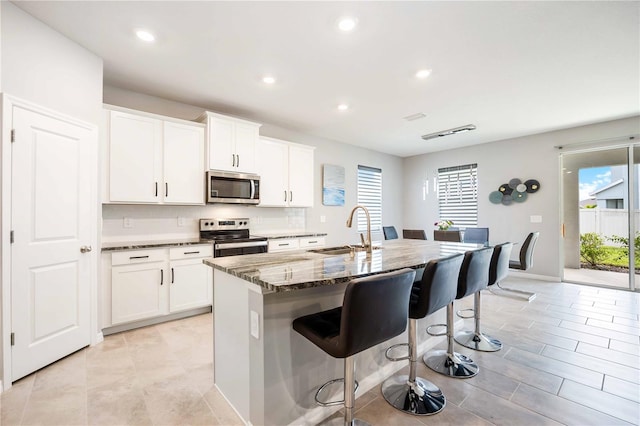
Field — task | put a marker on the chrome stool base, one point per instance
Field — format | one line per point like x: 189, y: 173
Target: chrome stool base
x: 420, y: 397
x: 478, y: 342
x: 457, y: 365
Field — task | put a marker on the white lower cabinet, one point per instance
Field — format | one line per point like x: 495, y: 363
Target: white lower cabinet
x: 284, y: 244
x: 155, y: 282
x: 191, y: 280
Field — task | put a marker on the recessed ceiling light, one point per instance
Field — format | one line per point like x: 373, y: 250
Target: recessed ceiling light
x: 343, y: 107
x: 145, y: 36
x: 269, y: 80
x: 347, y: 24
x: 423, y: 73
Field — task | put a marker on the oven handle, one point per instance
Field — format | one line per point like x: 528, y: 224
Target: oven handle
x: 223, y: 246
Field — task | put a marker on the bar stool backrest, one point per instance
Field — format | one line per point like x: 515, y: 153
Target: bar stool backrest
x: 374, y: 310
x: 476, y: 235
x: 414, y: 234
x: 474, y: 273
x: 499, y: 267
x: 390, y: 232
x: 526, y: 252
x: 437, y: 288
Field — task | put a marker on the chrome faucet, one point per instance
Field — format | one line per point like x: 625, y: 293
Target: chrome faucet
x: 366, y: 244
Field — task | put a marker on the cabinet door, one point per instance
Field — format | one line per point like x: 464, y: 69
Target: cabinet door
x: 191, y: 285
x: 300, y: 176
x: 246, y: 136
x: 183, y: 164
x: 135, y: 153
x: 138, y: 291
x: 221, y: 149
x: 274, y: 171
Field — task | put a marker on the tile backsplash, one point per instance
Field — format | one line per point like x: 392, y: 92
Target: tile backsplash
x: 150, y: 222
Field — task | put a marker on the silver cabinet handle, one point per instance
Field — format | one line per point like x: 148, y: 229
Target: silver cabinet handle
x: 156, y: 189
x: 85, y: 249
x: 233, y: 160
x: 172, y: 275
x: 161, y: 276
x: 238, y: 162
x: 285, y: 196
x: 166, y: 189
x: 290, y: 196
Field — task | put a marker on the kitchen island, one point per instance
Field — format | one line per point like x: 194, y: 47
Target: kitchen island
x: 267, y: 371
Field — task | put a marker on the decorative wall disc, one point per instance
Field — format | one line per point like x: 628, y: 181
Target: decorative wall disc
x: 513, y: 183
x: 521, y: 188
x: 519, y: 197
x: 532, y: 186
x: 506, y: 199
x: 495, y: 197
x: 505, y: 189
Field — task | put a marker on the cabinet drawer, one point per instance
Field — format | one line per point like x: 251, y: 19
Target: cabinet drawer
x: 311, y: 242
x: 279, y: 245
x: 138, y: 256
x: 187, y: 252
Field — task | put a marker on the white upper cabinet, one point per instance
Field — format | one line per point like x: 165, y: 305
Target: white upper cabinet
x: 183, y: 163
x: 135, y: 158
x: 286, y: 173
x: 231, y: 143
x: 153, y: 159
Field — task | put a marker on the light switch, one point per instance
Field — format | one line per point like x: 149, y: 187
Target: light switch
x: 181, y: 221
x: 255, y: 324
x: 536, y: 219
x: 127, y: 222
x: 323, y: 219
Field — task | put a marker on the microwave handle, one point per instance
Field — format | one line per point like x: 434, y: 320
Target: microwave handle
x: 253, y: 188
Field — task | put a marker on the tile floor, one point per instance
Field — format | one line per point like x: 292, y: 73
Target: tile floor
x: 571, y: 356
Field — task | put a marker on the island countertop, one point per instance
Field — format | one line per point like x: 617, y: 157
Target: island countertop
x: 295, y: 270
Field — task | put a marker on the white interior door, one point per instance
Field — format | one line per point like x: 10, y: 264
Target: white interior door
x: 51, y: 220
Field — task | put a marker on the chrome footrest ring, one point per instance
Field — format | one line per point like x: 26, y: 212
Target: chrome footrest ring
x: 444, y: 333
x: 330, y: 403
x: 460, y: 315
x: 390, y: 348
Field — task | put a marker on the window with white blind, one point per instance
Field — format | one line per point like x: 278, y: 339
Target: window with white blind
x: 370, y: 196
x: 458, y: 195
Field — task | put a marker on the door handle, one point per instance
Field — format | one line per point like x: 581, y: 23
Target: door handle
x: 290, y: 196
x: 166, y: 189
x: 156, y: 189
x: 85, y: 249
x: 233, y: 160
x: 161, y: 276
x: 238, y: 161
x: 285, y: 196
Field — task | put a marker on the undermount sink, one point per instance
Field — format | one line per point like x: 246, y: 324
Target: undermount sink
x: 341, y: 249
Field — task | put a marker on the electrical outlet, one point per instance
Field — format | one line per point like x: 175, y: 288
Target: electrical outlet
x: 181, y: 221
x: 323, y: 219
x: 255, y: 324
x: 127, y: 222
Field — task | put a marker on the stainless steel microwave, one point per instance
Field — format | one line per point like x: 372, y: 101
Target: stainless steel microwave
x: 232, y: 188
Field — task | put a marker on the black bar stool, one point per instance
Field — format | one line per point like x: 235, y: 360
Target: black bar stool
x: 412, y: 394
x: 474, y: 277
x: 449, y: 362
x: 374, y: 309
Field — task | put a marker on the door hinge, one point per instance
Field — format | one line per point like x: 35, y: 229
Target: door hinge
x: 11, y: 237
x: 13, y: 135
x: 13, y: 339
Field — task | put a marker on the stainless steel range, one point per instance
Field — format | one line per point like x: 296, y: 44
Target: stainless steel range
x: 231, y: 237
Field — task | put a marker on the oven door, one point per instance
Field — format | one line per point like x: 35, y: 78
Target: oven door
x: 233, y: 188
x: 236, y: 249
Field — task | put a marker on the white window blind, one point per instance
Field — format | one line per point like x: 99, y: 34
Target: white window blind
x: 458, y: 195
x: 370, y: 196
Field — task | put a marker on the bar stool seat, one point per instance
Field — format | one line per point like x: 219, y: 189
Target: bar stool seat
x: 408, y: 393
x: 374, y: 310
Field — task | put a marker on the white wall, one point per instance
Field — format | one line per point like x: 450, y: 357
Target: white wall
x: 163, y: 219
x: 529, y: 157
x: 42, y: 66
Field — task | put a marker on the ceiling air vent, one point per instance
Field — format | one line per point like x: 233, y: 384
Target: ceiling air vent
x: 453, y: 131
x: 414, y: 117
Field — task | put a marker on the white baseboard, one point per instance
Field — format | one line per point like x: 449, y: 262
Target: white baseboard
x: 318, y: 414
x: 98, y: 339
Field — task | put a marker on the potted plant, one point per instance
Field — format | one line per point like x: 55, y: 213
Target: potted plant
x: 443, y: 224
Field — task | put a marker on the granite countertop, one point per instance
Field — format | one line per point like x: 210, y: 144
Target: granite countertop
x: 136, y: 245
x: 295, y: 270
x: 292, y: 234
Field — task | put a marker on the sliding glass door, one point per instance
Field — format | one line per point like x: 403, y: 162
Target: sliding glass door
x: 600, y: 209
